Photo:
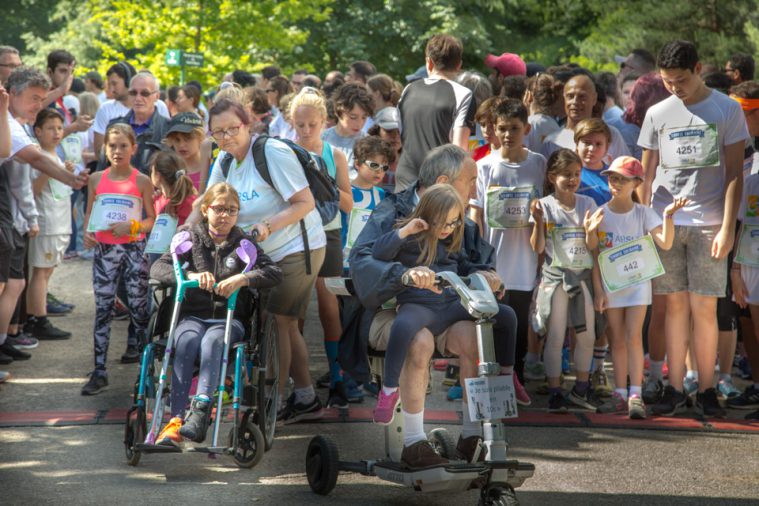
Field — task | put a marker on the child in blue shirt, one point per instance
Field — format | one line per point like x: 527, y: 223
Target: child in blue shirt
x: 592, y: 138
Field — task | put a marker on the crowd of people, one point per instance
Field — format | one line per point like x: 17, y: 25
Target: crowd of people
x: 611, y: 214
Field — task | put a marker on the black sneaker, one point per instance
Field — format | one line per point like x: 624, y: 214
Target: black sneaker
x: 42, y: 329
x: 754, y: 415
x: 7, y: 349
x: 672, y: 402
x: 707, y: 404
x: 131, y: 355
x: 5, y: 359
x: 97, y: 383
x: 652, y: 391
x: 325, y: 380
x: 337, y: 397
x: 749, y: 399
x: 557, y: 403
x: 584, y: 401
x: 294, y: 412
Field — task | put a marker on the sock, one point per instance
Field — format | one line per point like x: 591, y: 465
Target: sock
x: 388, y: 390
x: 725, y: 377
x: 304, y: 395
x: 531, y: 358
x: 3, y: 337
x: 331, y: 347
x: 471, y: 428
x: 622, y: 392
x: 581, y: 387
x: 413, y: 428
x: 506, y: 370
x: 636, y: 391
x: 599, y: 354
x: 693, y: 375
x: 656, y: 370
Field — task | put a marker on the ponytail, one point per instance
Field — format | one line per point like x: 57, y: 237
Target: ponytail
x: 171, y: 169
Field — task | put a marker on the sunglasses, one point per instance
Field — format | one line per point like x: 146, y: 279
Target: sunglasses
x: 144, y: 93
x: 229, y: 211
x: 376, y: 167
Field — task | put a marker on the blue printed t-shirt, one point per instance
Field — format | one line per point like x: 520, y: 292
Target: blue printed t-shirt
x: 362, y: 199
x: 594, y: 185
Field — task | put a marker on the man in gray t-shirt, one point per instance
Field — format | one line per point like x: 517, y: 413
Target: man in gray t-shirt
x: 693, y: 148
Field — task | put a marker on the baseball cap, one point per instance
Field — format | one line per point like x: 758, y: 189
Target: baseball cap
x: 388, y: 118
x: 508, y: 64
x: 626, y: 166
x: 420, y: 73
x: 185, y: 122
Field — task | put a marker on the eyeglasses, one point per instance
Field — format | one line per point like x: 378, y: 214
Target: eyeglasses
x: 220, y: 135
x: 144, y: 93
x: 11, y: 65
x: 377, y: 167
x: 229, y: 211
x: 452, y: 225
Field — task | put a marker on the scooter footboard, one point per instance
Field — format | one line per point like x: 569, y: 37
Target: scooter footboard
x: 450, y: 478
x: 512, y: 472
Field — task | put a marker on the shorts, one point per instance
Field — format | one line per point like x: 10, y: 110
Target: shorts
x: 291, y: 296
x: 379, y: 333
x: 12, y: 254
x: 333, y: 255
x: 47, y: 251
x: 689, y: 265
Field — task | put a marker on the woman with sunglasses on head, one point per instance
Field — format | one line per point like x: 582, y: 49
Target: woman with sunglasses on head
x: 275, y: 211
x: 308, y: 113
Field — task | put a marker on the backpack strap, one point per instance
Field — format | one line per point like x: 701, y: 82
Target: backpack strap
x: 259, y: 158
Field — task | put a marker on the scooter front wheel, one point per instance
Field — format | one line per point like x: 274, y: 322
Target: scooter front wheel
x: 498, y: 494
x: 322, y: 465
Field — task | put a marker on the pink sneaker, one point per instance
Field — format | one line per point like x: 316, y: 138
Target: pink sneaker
x: 523, y: 398
x: 384, y: 411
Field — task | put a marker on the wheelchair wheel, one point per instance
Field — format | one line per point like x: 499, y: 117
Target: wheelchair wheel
x: 268, y: 381
x: 498, y: 494
x: 322, y: 465
x: 442, y: 442
x: 250, y: 445
x: 134, y: 433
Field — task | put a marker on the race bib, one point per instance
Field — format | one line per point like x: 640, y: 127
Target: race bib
x: 113, y: 208
x: 748, y: 246
x: 569, y: 248
x: 356, y: 223
x: 72, y: 148
x: 160, y: 237
x: 690, y: 147
x: 509, y: 206
x: 629, y: 264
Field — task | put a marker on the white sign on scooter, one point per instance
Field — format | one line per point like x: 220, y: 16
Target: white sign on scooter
x: 491, y: 397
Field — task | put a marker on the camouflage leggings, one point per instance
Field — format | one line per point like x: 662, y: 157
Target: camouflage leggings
x: 112, y: 262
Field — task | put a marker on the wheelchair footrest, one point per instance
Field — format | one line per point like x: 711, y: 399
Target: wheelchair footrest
x: 146, y: 448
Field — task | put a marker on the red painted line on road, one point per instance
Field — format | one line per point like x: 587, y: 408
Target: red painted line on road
x: 736, y: 425
x: 543, y: 418
x: 47, y: 417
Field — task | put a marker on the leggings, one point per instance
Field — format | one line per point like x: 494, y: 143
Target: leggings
x: 436, y: 318
x: 196, y: 337
x: 520, y: 301
x: 113, y: 262
x: 557, y: 330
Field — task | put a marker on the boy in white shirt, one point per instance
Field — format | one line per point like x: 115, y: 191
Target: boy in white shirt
x: 693, y: 148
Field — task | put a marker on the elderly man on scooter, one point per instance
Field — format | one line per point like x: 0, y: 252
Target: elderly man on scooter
x: 377, y: 282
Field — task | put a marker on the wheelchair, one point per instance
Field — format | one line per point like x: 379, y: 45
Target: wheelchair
x: 496, y: 476
x: 255, y: 379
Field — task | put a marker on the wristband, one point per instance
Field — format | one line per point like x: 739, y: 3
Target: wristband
x: 669, y: 216
x: 134, y: 229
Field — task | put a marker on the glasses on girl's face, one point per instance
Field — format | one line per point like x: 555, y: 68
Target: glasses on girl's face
x: 376, y: 167
x: 220, y: 135
x: 229, y: 211
x: 453, y: 225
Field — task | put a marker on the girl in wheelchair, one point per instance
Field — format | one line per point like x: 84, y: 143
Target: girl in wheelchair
x: 200, y: 331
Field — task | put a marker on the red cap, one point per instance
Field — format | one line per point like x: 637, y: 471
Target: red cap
x: 626, y: 166
x: 508, y: 64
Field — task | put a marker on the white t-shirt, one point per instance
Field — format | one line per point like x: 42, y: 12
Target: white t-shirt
x: 555, y: 217
x: 113, y: 109
x: 565, y: 138
x: 616, y: 229
x: 19, y: 138
x: 748, y: 213
x: 704, y: 186
x: 259, y: 201
x: 542, y: 126
x: 54, y: 213
x: 516, y: 262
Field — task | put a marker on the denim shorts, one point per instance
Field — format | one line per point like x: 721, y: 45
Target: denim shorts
x: 689, y: 265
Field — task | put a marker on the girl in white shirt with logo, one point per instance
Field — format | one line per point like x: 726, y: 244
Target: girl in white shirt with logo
x: 626, y: 220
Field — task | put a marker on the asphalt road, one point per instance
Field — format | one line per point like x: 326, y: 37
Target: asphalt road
x: 577, y: 461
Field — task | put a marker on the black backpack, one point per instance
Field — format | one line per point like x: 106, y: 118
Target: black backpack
x: 323, y: 186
